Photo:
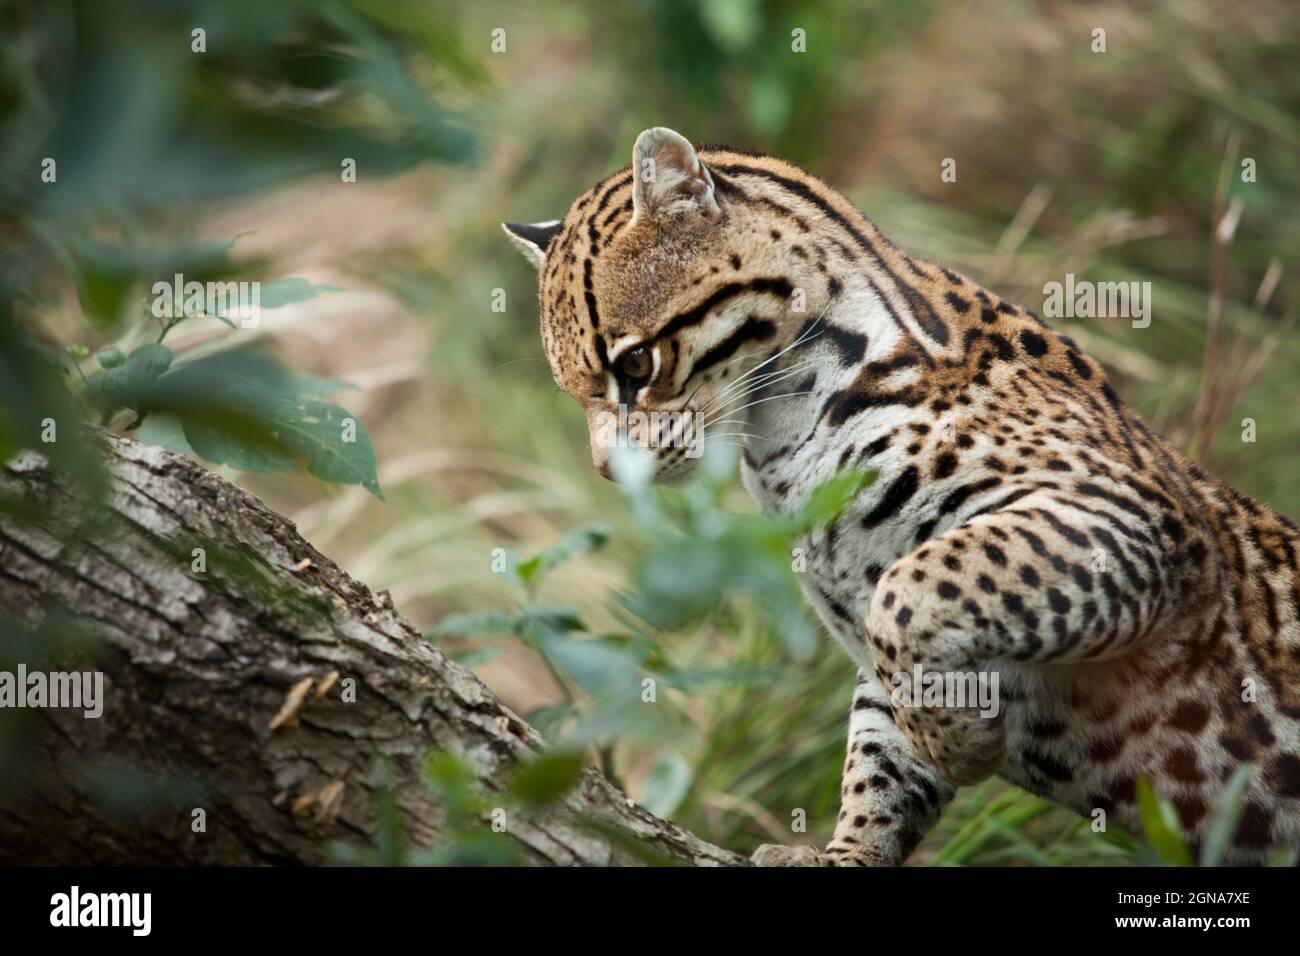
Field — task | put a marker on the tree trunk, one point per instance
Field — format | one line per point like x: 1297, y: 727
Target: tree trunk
x: 232, y: 680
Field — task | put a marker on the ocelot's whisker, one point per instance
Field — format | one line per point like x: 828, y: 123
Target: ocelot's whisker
x: 730, y: 444
x: 727, y: 406
x: 750, y: 380
x: 750, y: 383
x: 712, y: 435
x: 806, y: 336
x: 730, y: 421
x: 762, y: 382
x: 770, y: 398
x: 731, y: 385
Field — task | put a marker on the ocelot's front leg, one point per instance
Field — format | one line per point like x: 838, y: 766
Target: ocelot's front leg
x: 888, y: 798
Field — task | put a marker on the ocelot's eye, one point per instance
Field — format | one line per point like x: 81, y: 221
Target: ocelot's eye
x: 636, y: 364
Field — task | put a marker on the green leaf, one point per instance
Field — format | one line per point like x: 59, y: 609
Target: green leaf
x: 1225, y: 817
x: 473, y: 624
x: 549, y: 720
x: 682, y: 582
x: 447, y: 769
x: 128, y: 384
x: 545, y: 779
x: 317, y: 387
x: 1161, y: 826
x: 33, y: 394
x: 559, y: 618
x: 242, y: 408
x: 580, y: 541
x: 110, y: 357
x: 224, y: 443
x: 831, y: 497
x: 324, y: 437
x: 592, y: 664
x: 624, y: 718
x: 453, y: 780
x: 473, y: 657
x: 148, y: 362
x: 667, y: 785
x: 281, y: 292
x: 334, y: 444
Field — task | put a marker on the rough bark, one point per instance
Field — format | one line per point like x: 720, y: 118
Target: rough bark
x: 199, y: 665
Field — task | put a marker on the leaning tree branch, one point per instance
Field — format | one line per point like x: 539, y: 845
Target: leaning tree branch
x: 232, y: 678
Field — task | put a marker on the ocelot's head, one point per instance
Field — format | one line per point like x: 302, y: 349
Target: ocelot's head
x: 658, y: 291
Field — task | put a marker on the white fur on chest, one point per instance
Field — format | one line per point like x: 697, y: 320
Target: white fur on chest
x: 793, y: 452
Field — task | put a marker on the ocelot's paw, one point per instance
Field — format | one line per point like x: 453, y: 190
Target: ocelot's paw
x: 773, y: 854
x: 838, y: 853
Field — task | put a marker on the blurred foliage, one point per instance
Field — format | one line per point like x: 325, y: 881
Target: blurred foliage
x: 723, y: 65
x: 703, y: 566
x: 697, y: 555
x: 473, y: 823
x: 139, y: 119
x: 1165, y: 843
x: 95, y: 151
x: 121, y: 124
x: 59, y: 641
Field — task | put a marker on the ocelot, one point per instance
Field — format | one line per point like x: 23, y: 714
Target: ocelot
x: 1141, y: 616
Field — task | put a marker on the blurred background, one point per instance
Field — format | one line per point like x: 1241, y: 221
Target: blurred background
x: 230, y: 160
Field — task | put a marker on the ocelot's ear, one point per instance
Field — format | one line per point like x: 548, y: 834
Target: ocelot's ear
x: 532, y: 238
x: 668, y: 177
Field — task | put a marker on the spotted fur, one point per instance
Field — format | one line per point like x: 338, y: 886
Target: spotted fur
x: 1142, y: 616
